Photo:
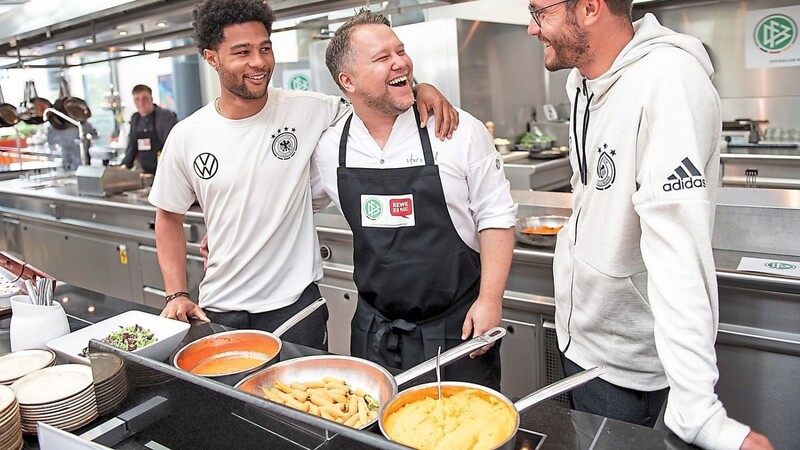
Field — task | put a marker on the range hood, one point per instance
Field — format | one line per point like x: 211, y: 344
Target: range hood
x: 38, y: 32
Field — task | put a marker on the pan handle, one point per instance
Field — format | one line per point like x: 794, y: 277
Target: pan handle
x: 295, y: 319
x: 451, y: 355
x: 559, y: 387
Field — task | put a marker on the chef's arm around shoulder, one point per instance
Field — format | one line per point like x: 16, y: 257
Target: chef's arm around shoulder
x: 171, y: 249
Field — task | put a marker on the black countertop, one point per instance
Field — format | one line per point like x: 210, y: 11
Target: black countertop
x: 208, y: 414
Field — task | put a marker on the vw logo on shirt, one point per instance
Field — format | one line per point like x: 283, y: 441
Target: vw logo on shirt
x: 205, y: 165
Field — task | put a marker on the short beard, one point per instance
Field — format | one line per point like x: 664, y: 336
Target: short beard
x: 570, y: 52
x: 230, y: 82
x: 384, y: 104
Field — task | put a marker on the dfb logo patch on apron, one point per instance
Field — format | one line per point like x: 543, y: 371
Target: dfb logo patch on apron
x: 387, y: 211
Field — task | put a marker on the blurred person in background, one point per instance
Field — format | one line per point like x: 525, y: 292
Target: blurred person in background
x: 67, y: 141
x: 150, y: 126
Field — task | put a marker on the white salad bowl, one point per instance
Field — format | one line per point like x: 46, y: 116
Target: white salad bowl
x: 168, y: 332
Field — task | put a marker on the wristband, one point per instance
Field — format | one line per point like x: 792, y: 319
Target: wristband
x: 171, y: 297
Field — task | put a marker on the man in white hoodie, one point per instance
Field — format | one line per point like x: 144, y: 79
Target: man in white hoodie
x: 635, y: 281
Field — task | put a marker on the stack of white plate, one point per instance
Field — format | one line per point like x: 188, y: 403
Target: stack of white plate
x: 110, y: 383
x: 14, y: 366
x: 61, y: 396
x: 10, y: 426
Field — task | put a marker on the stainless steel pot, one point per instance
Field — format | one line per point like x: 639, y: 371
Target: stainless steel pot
x: 449, y: 388
x: 255, y: 347
x: 357, y: 372
x: 74, y: 107
x: 539, y: 239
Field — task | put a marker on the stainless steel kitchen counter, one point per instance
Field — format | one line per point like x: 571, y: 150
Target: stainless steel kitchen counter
x: 51, y: 227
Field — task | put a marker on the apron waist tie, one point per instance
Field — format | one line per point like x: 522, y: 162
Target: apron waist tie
x: 392, y: 330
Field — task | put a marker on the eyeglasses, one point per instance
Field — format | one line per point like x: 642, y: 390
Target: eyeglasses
x: 535, y: 12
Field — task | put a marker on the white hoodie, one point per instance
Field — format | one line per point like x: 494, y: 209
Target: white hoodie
x: 635, y: 280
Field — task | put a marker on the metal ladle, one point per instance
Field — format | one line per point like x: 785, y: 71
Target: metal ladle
x: 439, y: 373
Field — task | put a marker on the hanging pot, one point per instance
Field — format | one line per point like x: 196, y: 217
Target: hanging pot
x: 8, y: 113
x: 32, y: 108
x: 56, y: 121
x: 71, y: 106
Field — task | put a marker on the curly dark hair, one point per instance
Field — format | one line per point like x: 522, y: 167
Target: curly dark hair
x: 212, y: 16
x: 339, y: 52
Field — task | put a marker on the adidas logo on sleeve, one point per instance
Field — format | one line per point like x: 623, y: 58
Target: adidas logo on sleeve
x: 686, y: 176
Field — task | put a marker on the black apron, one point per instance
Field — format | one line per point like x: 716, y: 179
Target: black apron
x: 415, y: 283
x: 146, y: 129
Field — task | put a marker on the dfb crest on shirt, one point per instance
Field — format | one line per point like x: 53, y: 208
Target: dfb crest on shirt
x: 606, y: 170
x: 284, y: 143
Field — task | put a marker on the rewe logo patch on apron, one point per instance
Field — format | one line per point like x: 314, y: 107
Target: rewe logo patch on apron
x: 387, y: 211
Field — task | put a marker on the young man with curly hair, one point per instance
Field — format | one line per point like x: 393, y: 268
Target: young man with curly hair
x: 245, y: 159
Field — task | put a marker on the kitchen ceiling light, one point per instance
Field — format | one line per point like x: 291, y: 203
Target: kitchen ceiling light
x: 123, y: 33
x: 161, y: 24
x: 89, y: 40
x: 60, y: 47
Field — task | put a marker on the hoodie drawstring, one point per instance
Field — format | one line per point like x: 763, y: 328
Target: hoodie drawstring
x: 582, y: 164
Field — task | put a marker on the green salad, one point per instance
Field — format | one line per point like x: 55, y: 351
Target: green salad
x: 128, y: 338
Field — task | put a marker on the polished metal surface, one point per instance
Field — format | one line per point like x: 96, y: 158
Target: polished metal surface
x: 772, y: 94
x: 769, y: 171
x: 539, y: 175
x: 477, y: 66
x: 758, y: 220
x: 455, y: 353
x: 104, y: 181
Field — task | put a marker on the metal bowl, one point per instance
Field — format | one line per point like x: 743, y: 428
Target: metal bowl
x: 453, y: 387
x: 536, y: 239
x: 258, y: 348
x: 449, y: 388
x: 356, y: 372
x: 234, y: 354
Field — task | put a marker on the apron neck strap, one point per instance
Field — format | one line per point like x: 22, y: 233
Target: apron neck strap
x: 427, y: 151
x: 423, y: 138
x: 343, y: 142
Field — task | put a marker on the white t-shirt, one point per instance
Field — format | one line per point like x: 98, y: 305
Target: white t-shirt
x: 251, y: 179
x: 476, y: 190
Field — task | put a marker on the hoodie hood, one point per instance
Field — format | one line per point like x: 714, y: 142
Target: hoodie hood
x: 649, y: 35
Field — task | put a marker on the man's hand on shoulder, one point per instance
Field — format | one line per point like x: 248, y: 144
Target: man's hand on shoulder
x: 430, y: 99
x: 756, y: 441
